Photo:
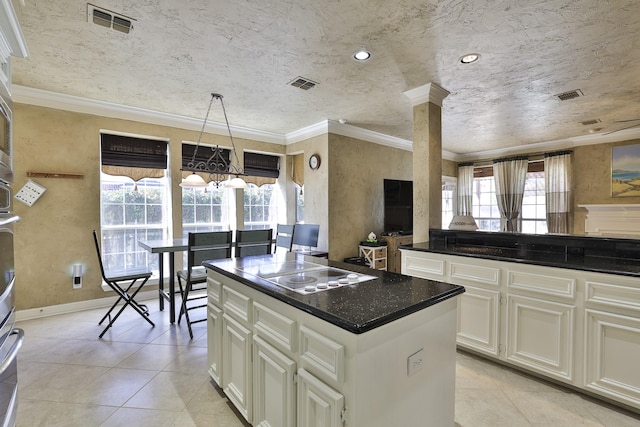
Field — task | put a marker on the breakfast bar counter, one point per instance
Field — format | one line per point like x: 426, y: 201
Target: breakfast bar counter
x: 290, y: 344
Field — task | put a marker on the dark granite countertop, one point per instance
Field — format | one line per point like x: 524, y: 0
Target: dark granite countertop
x: 575, y: 261
x: 356, y: 308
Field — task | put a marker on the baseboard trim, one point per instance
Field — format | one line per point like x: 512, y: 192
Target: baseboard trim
x: 73, y: 307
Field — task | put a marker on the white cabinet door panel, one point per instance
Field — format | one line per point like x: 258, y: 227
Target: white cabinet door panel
x: 613, y: 347
x: 273, y: 386
x: 214, y: 343
x: 540, y: 336
x: 236, y: 365
x: 318, y: 404
x: 479, y: 320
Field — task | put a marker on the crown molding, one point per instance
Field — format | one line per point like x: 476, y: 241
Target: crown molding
x: 430, y: 92
x: 43, y: 98
x: 48, y: 99
x: 561, y: 144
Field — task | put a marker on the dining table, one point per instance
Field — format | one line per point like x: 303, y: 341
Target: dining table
x: 161, y: 247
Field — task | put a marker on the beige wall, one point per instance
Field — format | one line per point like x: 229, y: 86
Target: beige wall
x: 55, y: 232
x: 356, y: 205
x: 449, y: 168
x: 592, y: 180
x: 316, y: 193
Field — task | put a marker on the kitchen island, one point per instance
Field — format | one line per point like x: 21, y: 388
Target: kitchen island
x: 378, y: 350
x: 563, y: 307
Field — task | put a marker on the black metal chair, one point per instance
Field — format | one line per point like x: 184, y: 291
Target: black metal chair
x: 193, y: 280
x: 284, y: 237
x: 125, y: 283
x: 253, y: 242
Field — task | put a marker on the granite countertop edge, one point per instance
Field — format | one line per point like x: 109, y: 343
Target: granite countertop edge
x: 298, y: 300
x: 615, y: 266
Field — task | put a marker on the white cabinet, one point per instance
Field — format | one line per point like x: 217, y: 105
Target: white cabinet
x: 374, y: 256
x: 540, y: 336
x: 318, y: 404
x: 236, y: 365
x: 612, y: 338
x: 479, y: 320
x: 273, y: 386
x: 579, y: 327
x: 214, y: 343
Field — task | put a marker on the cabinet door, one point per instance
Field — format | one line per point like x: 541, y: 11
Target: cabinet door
x: 318, y: 404
x: 479, y: 320
x: 611, y: 356
x: 273, y: 386
x: 540, y: 336
x: 214, y: 343
x: 236, y: 364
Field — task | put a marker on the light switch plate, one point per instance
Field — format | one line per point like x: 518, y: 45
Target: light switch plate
x: 30, y: 192
x: 415, y: 362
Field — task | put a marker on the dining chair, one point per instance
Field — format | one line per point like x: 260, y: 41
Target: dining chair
x: 193, y: 281
x: 126, y: 283
x: 284, y: 236
x: 253, y: 242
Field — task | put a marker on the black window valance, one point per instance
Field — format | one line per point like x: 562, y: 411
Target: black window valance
x: 118, y: 150
x: 203, y: 154
x: 263, y: 165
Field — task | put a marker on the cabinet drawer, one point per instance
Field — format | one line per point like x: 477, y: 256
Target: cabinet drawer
x: 236, y: 304
x: 380, y: 263
x: 613, y: 296
x: 321, y: 355
x: 542, y: 284
x: 214, y: 289
x: 380, y: 252
x: 279, y: 330
x: 464, y: 274
x: 418, y: 266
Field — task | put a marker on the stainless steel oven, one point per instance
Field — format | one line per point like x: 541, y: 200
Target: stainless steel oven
x: 10, y: 337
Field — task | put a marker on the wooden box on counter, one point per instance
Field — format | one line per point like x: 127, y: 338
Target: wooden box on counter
x: 394, y: 258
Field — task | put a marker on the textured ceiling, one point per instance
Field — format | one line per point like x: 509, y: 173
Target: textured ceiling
x: 249, y: 50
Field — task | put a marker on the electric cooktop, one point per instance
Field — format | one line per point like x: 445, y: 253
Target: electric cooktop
x: 306, y: 277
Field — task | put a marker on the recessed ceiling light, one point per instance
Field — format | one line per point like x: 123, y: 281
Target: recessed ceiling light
x: 469, y: 58
x: 362, y: 55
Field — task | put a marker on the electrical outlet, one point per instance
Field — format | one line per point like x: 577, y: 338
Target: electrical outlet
x: 77, y: 282
x: 415, y: 362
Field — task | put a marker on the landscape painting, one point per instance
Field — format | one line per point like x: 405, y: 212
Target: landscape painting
x: 625, y: 171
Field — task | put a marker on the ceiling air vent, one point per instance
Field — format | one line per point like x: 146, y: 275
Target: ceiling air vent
x: 590, y: 122
x: 565, y: 96
x: 109, y: 19
x: 302, y: 83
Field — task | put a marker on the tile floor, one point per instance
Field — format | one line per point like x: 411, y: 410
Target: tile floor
x: 142, y: 376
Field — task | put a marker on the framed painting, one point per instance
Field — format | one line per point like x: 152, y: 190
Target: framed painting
x: 625, y: 171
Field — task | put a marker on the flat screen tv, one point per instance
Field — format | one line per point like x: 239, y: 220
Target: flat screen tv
x: 398, y: 206
x: 306, y: 235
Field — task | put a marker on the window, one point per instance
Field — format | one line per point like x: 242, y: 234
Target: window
x: 131, y: 212
x: 299, y: 204
x: 204, y: 209
x: 134, y: 205
x: 533, y: 212
x: 260, y: 206
x: 533, y: 215
x: 485, y: 206
x: 448, y: 200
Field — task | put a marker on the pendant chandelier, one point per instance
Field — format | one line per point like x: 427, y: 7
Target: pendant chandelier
x: 217, y: 166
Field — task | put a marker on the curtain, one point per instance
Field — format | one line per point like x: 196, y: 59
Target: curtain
x: 465, y: 189
x: 557, y: 179
x: 298, y: 169
x: 510, y: 175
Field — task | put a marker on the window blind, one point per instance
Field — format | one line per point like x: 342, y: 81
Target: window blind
x: 118, y: 150
x: 262, y: 165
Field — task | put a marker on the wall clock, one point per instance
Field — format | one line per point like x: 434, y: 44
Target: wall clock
x: 314, y: 161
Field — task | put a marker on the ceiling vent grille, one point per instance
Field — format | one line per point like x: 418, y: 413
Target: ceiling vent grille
x: 590, y: 122
x: 565, y: 96
x: 109, y: 19
x: 303, y: 83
